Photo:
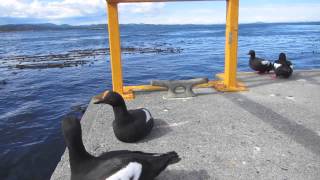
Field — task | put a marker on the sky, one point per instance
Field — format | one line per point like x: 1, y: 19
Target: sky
x: 80, y: 12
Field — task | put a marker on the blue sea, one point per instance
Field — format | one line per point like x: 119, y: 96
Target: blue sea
x: 33, y: 100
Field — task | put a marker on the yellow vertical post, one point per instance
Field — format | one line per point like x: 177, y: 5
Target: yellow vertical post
x: 115, y: 48
x: 231, y: 46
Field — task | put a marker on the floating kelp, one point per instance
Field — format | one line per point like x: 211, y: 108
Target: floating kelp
x: 51, y: 65
x: 74, y: 57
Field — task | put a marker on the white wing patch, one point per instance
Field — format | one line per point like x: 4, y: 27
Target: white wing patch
x: 276, y: 65
x: 291, y: 66
x: 131, y: 172
x: 265, y: 62
x: 148, y: 114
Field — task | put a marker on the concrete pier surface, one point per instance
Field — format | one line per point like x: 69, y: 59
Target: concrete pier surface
x: 270, y: 132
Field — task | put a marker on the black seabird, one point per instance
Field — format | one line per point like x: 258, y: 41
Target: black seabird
x: 113, y: 165
x: 283, y: 67
x: 128, y: 125
x: 258, y: 64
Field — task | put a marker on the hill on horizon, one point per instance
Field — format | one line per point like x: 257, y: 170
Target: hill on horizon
x: 51, y: 26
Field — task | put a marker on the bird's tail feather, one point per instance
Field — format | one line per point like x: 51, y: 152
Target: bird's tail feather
x: 162, y: 161
x: 172, y: 157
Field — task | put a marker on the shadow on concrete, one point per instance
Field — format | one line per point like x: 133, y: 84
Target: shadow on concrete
x: 252, y: 77
x: 312, y: 81
x: 160, y: 128
x: 302, y: 135
x: 295, y: 76
x: 208, y: 93
x: 184, y: 175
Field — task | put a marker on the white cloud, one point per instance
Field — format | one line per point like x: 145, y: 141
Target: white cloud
x: 156, y: 13
x: 179, y: 17
x: 211, y: 15
x: 68, y: 8
x: 140, y: 8
x: 50, y: 10
x: 280, y: 13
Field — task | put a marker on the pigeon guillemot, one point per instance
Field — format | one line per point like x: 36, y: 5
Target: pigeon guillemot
x: 113, y: 165
x: 282, y: 67
x: 129, y: 125
x: 258, y: 64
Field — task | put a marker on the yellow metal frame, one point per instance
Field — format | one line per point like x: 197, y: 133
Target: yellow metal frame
x: 228, y: 80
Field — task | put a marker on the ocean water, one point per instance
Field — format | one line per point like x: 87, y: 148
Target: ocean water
x: 33, y: 101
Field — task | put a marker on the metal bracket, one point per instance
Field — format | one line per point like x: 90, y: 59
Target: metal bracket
x: 174, y: 85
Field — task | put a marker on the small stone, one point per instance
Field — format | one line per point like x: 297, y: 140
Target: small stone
x: 256, y: 150
x: 243, y: 143
x: 290, y: 98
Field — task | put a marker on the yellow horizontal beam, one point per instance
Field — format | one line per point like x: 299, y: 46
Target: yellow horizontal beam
x: 143, y: 88
x: 127, y: 95
x: 158, y: 88
x: 128, y: 91
x: 206, y: 85
x: 217, y: 84
x: 138, y: 1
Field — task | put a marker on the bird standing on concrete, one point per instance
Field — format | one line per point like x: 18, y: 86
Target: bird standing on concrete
x: 128, y: 125
x: 282, y: 67
x: 258, y: 64
x: 113, y: 165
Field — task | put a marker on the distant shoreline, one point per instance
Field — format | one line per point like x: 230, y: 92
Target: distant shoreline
x: 49, y: 26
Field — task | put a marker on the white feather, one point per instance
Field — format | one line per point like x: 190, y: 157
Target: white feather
x: 265, y: 62
x: 291, y: 66
x: 131, y: 171
x: 148, y: 114
x: 276, y: 65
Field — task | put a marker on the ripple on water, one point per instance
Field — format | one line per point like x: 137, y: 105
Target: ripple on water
x: 33, y: 102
